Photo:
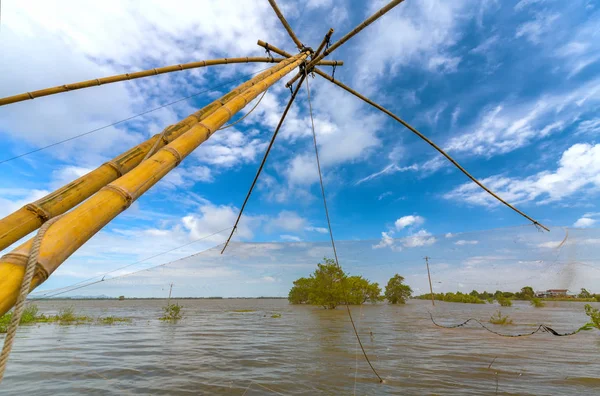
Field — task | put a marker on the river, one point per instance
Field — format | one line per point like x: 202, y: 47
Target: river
x: 308, y: 350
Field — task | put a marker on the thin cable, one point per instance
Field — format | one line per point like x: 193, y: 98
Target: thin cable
x: 245, y: 115
x: 542, y: 328
x: 128, y: 265
x: 262, y: 164
x: 431, y: 143
x: 130, y: 118
x: 329, y: 223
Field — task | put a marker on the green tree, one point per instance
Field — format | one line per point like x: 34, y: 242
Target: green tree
x: 475, y: 293
x: 327, y: 285
x: 397, y: 292
x: 360, y: 290
x: 584, y: 294
x: 527, y: 293
x: 300, y: 292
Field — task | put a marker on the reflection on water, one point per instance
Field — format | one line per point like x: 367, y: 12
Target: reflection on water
x: 214, y: 350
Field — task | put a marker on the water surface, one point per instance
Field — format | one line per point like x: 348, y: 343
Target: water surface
x: 215, y: 350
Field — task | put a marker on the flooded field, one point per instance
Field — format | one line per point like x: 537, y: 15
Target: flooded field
x: 307, y: 350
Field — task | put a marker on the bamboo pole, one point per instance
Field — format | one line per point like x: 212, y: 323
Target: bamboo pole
x: 286, y: 25
x: 317, y: 53
x: 131, y: 76
x: 72, y: 230
x: 281, y: 52
x: 30, y: 217
x: 352, y: 33
x: 431, y: 143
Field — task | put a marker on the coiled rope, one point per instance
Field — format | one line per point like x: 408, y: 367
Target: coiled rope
x: 25, y: 286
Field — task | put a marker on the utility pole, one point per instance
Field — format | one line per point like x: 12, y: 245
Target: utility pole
x: 429, y: 276
x: 170, y: 290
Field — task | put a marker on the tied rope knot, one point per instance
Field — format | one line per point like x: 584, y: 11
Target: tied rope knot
x: 34, y: 252
x: 268, y: 51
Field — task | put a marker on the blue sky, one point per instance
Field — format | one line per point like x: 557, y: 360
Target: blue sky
x: 510, y: 89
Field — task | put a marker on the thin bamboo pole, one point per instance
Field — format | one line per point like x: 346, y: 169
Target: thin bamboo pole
x: 281, y: 52
x: 30, y: 217
x: 352, y: 33
x: 286, y: 25
x: 131, y: 76
x: 317, y: 53
x: 73, y: 229
x: 431, y: 143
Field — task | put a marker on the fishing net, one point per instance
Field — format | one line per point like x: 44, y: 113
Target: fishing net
x: 267, y: 346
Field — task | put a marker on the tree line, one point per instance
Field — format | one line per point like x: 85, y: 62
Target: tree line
x: 329, y: 286
x: 503, y: 298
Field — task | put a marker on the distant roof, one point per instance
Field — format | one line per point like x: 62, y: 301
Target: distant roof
x: 557, y: 290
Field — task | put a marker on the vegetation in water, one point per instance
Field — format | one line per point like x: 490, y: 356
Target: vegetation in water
x: 499, y: 319
x: 329, y: 287
x: 396, y: 292
x: 30, y: 315
x: 457, y: 297
x: 504, y: 302
x: 243, y: 310
x: 594, y: 315
x: 276, y: 316
x: 536, y: 302
x: 172, y: 312
x: 110, y: 320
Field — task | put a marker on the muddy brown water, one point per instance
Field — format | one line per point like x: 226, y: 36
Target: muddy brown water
x: 306, y: 351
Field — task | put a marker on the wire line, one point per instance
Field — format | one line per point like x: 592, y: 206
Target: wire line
x: 329, y: 224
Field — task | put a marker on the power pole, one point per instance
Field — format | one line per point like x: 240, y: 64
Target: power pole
x: 170, y: 290
x: 429, y: 276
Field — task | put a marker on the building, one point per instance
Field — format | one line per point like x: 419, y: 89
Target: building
x: 553, y: 293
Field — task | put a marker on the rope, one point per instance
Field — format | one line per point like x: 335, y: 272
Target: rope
x: 25, y: 286
x: 262, y: 164
x: 245, y: 115
x: 337, y: 262
x: 542, y: 328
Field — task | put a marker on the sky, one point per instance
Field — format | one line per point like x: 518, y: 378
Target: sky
x: 510, y: 89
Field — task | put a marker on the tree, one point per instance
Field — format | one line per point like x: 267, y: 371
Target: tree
x: 360, y: 290
x: 327, y: 285
x: 397, y: 292
x: 299, y: 293
x: 526, y: 293
x: 584, y: 294
x: 474, y: 293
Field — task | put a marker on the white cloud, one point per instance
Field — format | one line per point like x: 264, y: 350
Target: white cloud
x: 321, y: 230
x: 449, y: 235
x: 12, y: 199
x: 584, y: 222
x: 288, y: 221
x: 212, y: 218
x: 414, y: 33
x: 462, y: 242
x: 589, y: 126
x: 290, y: 238
x: 388, y: 170
x: 408, y: 221
x: 420, y: 238
x: 383, y: 195
x: 230, y: 147
x: 578, y: 167
x: 534, y: 29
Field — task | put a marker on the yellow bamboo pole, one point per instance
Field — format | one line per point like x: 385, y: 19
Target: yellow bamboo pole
x: 281, y: 52
x: 72, y: 230
x: 131, y: 76
x: 31, y: 216
x: 430, y: 142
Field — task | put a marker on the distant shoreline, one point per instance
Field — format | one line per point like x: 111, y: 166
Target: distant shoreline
x: 154, y: 298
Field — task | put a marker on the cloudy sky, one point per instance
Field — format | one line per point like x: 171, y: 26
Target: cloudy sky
x: 510, y: 88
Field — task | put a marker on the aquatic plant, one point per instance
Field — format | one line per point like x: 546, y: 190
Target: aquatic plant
x: 504, y: 302
x: 457, y: 297
x: 30, y: 316
x: 109, y: 320
x: 499, y: 319
x: 243, y: 310
x: 536, y: 302
x: 275, y: 316
x: 594, y: 315
x: 171, y: 312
